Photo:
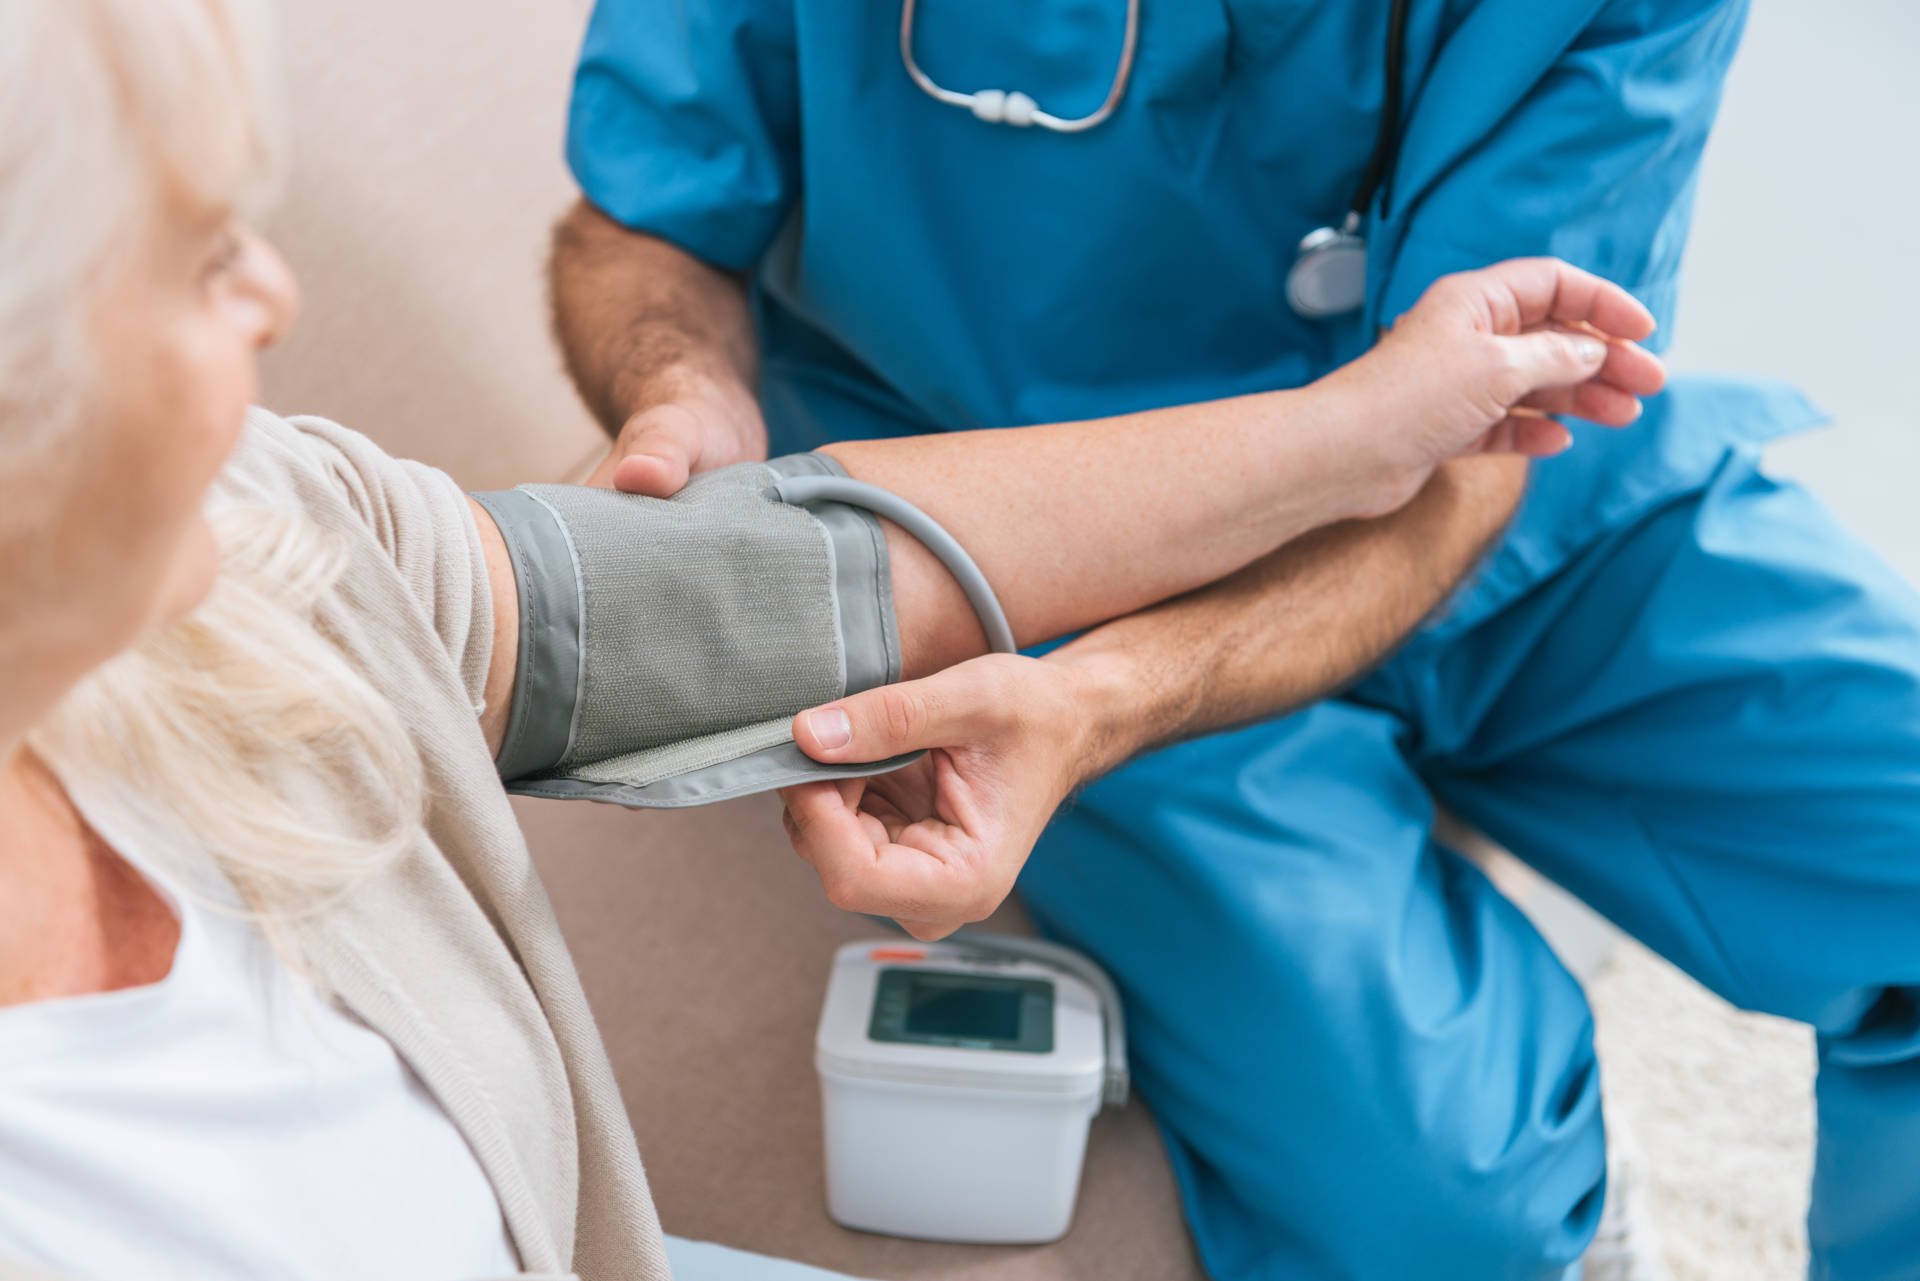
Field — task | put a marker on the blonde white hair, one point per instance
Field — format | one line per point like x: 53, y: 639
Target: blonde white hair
x: 240, y: 724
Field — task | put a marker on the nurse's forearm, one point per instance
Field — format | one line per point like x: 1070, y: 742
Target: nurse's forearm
x: 1077, y: 523
x: 642, y: 323
x: 1297, y: 626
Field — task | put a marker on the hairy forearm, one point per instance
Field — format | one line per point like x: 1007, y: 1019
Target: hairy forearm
x: 1294, y: 627
x: 1077, y: 523
x: 639, y: 320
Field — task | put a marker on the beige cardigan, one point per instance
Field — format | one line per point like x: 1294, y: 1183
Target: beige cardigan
x: 455, y: 955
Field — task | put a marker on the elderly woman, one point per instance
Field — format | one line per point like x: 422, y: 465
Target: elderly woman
x: 280, y: 994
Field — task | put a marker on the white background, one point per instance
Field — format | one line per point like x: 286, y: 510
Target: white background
x: 1805, y: 258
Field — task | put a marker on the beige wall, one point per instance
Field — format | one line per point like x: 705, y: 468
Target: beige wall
x: 426, y: 168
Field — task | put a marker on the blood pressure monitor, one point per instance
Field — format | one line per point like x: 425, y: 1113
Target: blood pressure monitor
x: 957, y: 1081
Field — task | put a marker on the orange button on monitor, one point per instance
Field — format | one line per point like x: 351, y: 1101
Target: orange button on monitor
x: 896, y: 954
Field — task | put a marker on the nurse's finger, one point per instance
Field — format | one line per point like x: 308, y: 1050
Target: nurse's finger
x: 948, y: 709
x: 657, y: 465
x: 1594, y: 401
x: 661, y: 447
x: 827, y: 826
x: 654, y: 475
x: 827, y: 832
x: 818, y: 811
x: 860, y: 874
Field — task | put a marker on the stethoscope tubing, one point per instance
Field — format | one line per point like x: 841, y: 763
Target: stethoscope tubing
x: 1324, y: 280
x: 1123, y: 72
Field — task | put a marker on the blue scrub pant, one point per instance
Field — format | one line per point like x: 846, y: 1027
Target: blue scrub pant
x: 1366, y: 1062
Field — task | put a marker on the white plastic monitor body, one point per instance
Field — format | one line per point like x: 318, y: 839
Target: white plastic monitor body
x: 957, y: 1083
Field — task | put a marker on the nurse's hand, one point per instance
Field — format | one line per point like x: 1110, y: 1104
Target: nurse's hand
x: 1483, y: 359
x: 937, y: 845
x: 702, y: 424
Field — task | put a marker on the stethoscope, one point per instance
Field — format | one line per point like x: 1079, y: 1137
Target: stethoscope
x: 1329, y: 273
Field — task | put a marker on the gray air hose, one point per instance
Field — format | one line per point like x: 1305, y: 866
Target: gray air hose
x: 802, y: 490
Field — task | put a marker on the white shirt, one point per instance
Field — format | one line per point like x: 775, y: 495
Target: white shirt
x: 225, y: 1122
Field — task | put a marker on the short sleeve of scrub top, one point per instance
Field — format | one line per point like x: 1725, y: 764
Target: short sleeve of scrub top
x: 685, y: 122
x: 1584, y: 144
x: 1626, y: 107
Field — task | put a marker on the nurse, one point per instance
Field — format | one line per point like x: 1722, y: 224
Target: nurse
x: 1673, y: 684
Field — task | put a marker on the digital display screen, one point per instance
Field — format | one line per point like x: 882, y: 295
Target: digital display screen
x: 963, y: 1010
x: 949, y: 1005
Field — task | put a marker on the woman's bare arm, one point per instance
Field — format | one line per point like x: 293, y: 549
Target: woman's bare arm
x: 506, y: 630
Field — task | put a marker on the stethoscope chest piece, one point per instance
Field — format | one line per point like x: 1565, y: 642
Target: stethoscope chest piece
x: 1329, y: 273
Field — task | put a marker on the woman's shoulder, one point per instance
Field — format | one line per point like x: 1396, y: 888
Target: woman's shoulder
x: 334, y: 471
x: 408, y: 530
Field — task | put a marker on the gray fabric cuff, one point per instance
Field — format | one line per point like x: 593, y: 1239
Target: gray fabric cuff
x: 666, y: 645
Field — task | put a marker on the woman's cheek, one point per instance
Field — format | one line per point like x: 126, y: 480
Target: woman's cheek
x: 218, y: 384
x: 190, y: 575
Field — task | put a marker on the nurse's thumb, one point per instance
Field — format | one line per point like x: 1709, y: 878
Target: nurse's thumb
x: 1554, y: 358
x: 872, y: 726
x: 659, y: 449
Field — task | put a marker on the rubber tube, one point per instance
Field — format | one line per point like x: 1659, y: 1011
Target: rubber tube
x: 801, y: 490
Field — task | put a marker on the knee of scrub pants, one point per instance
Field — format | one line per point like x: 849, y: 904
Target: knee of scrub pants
x: 1365, y: 1060
x: 1716, y: 742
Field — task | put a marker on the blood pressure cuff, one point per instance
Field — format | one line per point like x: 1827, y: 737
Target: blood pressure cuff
x: 665, y: 645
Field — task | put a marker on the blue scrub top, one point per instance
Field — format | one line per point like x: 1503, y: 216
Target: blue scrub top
x: 918, y: 269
